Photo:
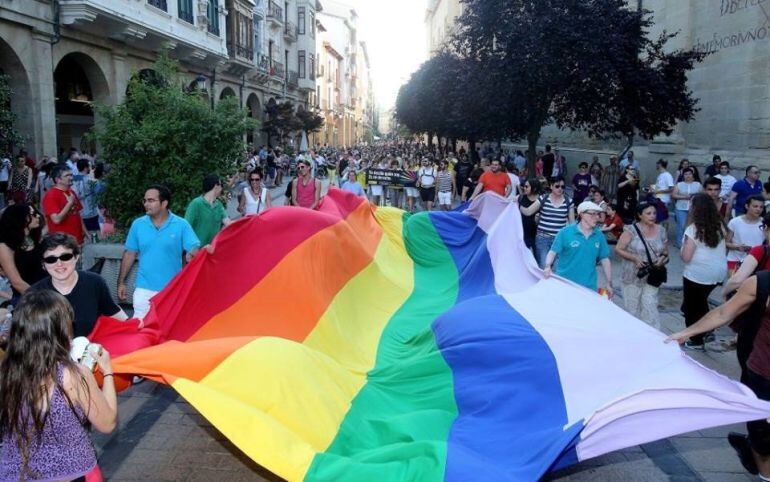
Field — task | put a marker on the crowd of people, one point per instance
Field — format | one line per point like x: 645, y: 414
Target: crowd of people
x: 571, y: 225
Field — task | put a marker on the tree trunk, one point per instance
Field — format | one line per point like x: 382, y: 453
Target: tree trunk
x: 430, y: 141
x: 454, y: 145
x: 532, y: 136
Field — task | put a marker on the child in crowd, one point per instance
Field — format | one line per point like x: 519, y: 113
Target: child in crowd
x: 613, y: 224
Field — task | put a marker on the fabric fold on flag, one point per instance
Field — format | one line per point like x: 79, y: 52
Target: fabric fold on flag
x: 363, y: 343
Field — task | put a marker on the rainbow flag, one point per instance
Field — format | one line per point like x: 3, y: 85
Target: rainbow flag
x: 358, y: 343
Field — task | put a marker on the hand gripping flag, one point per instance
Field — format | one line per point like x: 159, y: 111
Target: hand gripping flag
x: 358, y: 343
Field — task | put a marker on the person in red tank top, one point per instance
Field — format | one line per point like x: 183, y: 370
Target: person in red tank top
x: 306, y: 190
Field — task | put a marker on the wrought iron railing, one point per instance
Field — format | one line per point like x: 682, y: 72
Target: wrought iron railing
x: 263, y: 63
x: 277, y: 69
x: 274, y: 11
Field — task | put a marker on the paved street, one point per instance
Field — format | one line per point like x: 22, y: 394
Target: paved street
x: 161, y: 437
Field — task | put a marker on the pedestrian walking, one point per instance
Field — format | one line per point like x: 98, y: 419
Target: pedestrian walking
x: 62, y: 206
x: 205, y: 213
x: 306, y: 190
x: 579, y: 247
x: 644, y: 249
x: 682, y: 194
x: 705, y: 261
x: 555, y: 210
x: 160, y: 240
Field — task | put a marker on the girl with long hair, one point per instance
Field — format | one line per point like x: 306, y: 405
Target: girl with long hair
x: 705, y: 261
x: 46, y: 399
x: 21, y: 226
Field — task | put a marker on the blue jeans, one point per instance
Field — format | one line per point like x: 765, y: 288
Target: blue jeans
x: 542, y: 246
x: 681, y: 218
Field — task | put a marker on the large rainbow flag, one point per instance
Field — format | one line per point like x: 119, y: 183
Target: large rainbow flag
x: 357, y: 343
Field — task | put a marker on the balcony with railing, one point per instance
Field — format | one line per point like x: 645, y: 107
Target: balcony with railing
x: 274, y: 13
x: 290, y: 32
x: 293, y: 78
x: 160, y: 4
x: 277, y: 69
x: 242, y: 52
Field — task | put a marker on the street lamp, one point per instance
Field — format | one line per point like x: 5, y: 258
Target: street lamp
x: 200, y: 82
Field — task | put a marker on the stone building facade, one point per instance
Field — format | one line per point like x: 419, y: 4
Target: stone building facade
x: 731, y: 83
x: 61, y: 56
x: 344, y: 95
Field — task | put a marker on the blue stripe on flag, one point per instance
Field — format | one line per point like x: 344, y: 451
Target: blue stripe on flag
x: 511, y: 410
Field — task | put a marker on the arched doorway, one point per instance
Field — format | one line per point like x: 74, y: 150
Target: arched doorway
x: 20, y: 100
x: 78, y: 82
x: 226, y: 92
x: 254, y: 109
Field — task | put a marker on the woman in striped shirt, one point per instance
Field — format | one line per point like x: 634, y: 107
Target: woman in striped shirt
x: 556, y: 211
x: 445, y: 182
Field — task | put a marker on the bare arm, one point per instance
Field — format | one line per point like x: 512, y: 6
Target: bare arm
x: 57, y: 218
x: 688, y: 249
x: 294, y: 192
x: 9, y: 266
x: 723, y: 314
x: 730, y: 203
x: 532, y: 209
x: 571, y: 215
x: 29, y: 178
x: 747, y: 269
x: 317, y: 194
x: 620, y: 249
x: 549, y: 259
x: 477, y: 191
x: 607, y: 267
x: 125, y: 267
x: 100, y: 405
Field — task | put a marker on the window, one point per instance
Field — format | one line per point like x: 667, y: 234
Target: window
x: 312, y: 24
x: 301, y: 64
x: 257, y: 35
x: 301, y: 20
x: 161, y: 4
x: 312, y: 67
x: 185, y: 10
x: 212, y: 16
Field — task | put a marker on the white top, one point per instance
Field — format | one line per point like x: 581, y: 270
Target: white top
x: 748, y: 234
x: 5, y: 169
x: 254, y: 206
x: 427, y: 176
x: 689, y: 189
x: 708, y: 266
x: 727, y: 185
x: 665, y: 181
x: 515, y: 183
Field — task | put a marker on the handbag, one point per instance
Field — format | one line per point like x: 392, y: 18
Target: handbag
x: 656, y: 275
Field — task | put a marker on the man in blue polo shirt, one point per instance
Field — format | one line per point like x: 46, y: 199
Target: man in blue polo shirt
x: 159, y: 239
x: 748, y: 186
x: 578, y: 247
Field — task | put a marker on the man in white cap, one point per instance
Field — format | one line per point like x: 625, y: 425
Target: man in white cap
x: 579, y: 246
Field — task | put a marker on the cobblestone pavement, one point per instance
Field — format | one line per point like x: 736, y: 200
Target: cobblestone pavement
x: 161, y: 437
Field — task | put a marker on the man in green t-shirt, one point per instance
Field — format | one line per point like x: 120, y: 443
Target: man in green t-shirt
x: 205, y: 213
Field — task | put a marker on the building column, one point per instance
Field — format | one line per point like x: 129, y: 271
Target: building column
x: 120, y: 77
x: 42, y: 99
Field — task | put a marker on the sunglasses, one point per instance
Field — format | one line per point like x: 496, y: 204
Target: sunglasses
x: 558, y: 186
x: 254, y: 179
x: 54, y: 259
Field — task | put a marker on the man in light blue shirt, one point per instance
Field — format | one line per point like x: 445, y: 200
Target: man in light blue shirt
x: 352, y: 185
x: 159, y: 239
x: 578, y: 247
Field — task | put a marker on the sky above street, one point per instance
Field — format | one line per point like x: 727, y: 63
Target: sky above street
x: 395, y: 34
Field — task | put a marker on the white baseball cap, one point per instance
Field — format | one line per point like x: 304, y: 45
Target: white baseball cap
x: 588, y: 206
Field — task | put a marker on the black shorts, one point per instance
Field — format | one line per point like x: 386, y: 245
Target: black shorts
x: 3, y: 187
x: 92, y: 224
x: 427, y: 194
x: 759, y: 430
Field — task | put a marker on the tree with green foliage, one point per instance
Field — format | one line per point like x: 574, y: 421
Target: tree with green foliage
x: 9, y: 136
x: 310, y: 121
x: 281, y: 121
x: 587, y: 65
x: 162, y: 133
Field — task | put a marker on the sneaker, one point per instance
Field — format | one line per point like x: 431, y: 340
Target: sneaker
x: 740, y: 443
x: 689, y: 345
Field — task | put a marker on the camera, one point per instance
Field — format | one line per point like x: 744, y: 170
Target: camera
x: 84, y: 352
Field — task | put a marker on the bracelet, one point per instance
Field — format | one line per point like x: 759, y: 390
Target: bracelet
x: 107, y: 375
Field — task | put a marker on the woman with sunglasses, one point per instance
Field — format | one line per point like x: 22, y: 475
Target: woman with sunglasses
x: 556, y: 211
x: 87, y: 292
x: 20, y: 230
x: 256, y: 197
x: 531, y: 193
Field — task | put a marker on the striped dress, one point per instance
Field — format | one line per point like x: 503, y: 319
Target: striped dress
x: 553, y: 217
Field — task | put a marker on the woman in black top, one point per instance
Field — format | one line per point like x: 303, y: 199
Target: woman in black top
x: 86, y: 292
x: 20, y: 229
x: 628, y: 195
x: 531, y: 193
